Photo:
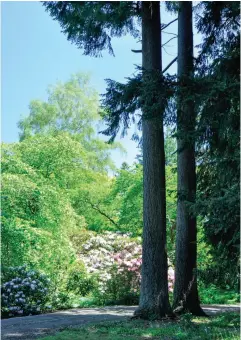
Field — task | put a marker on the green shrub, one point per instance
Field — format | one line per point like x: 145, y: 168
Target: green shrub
x: 79, y: 281
x: 211, y: 294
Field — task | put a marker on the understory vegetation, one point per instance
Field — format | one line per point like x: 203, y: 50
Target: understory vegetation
x: 72, y: 222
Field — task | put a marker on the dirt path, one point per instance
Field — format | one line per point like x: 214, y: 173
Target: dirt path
x: 33, y: 327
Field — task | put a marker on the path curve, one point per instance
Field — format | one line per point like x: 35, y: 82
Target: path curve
x: 33, y: 327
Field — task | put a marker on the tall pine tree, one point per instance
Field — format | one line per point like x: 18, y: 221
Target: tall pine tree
x: 154, y: 288
x: 185, y: 291
x: 90, y: 25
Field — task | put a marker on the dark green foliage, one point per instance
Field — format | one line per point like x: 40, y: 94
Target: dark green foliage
x: 123, y: 102
x: 172, y: 6
x: 120, y: 104
x: 219, y: 23
x: 91, y: 24
x: 219, y: 134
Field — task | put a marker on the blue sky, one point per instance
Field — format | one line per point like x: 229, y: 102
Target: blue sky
x: 36, y: 54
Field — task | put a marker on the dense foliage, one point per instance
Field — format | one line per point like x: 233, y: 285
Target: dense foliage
x: 90, y: 25
x: 56, y: 186
x: 219, y: 136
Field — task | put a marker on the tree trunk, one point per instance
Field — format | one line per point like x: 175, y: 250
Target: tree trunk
x: 154, y: 302
x: 185, y: 290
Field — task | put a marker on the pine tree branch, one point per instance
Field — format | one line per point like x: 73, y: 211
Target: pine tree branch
x: 170, y: 33
x: 136, y: 51
x: 169, y: 65
x: 165, y: 26
x: 169, y: 41
x: 140, y: 51
x: 167, y: 52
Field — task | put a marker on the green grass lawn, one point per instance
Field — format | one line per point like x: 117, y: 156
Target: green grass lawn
x: 224, y: 326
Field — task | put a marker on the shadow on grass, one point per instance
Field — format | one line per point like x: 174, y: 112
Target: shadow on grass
x: 222, y: 326
x: 225, y: 327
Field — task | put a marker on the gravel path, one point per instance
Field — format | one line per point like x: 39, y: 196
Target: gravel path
x: 33, y: 327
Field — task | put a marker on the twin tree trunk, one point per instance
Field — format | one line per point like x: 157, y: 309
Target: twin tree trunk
x: 154, y: 302
x: 185, y: 290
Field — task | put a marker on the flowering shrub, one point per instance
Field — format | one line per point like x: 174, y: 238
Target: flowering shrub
x: 116, y: 259
x: 23, y: 292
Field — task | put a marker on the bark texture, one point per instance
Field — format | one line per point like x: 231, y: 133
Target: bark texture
x: 154, y: 302
x: 185, y: 290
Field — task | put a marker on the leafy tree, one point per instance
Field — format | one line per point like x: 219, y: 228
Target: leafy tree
x: 36, y: 218
x: 72, y: 106
x: 127, y: 195
x: 65, y: 147
x: 47, y: 176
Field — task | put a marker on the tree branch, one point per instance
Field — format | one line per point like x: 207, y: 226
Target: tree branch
x: 136, y: 51
x: 95, y: 207
x: 169, y: 65
x: 165, y: 26
x: 169, y: 41
x: 140, y: 51
x: 167, y: 52
x: 170, y: 33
